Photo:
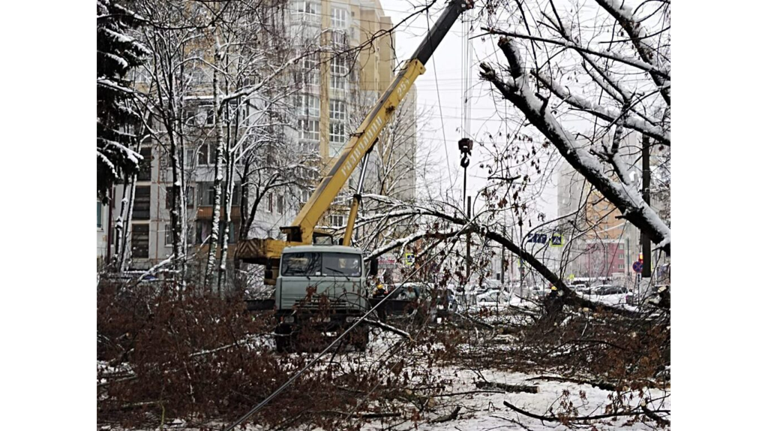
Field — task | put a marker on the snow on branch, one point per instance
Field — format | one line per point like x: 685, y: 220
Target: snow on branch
x: 104, y: 82
x: 603, y: 112
x: 653, y: 70
x: 624, y: 196
x: 402, y: 242
x: 639, y: 37
x: 247, y: 91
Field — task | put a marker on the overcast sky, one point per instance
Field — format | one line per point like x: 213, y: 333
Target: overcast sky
x: 439, y: 89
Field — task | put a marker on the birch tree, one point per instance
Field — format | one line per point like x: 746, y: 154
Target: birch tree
x: 172, y: 31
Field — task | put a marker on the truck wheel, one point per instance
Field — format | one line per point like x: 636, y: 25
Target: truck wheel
x: 361, y: 338
x: 282, y: 343
x: 283, y: 339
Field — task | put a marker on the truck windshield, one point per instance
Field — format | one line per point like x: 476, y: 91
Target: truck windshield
x: 321, y: 264
x: 301, y: 264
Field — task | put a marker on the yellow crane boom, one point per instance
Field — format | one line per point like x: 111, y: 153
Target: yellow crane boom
x: 267, y: 251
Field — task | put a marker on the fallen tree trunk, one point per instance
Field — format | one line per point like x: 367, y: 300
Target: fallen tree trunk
x: 601, y: 385
x: 581, y: 418
x: 388, y: 328
x: 508, y: 388
x: 452, y: 416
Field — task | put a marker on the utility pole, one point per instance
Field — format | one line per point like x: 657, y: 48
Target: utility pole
x: 469, y: 235
x: 503, y: 262
x: 520, y: 259
x: 646, y: 240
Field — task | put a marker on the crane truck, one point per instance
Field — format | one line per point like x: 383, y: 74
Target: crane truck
x: 308, y: 276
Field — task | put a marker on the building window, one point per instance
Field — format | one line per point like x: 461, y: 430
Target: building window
x: 309, y: 62
x: 269, y: 202
x: 206, y: 155
x: 98, y: 215
x: 338, y: 66
x: 338, y: 133
x: 280, y: 204
x: 236, y: 191
x: 140, y: 240
x: 338, y: 18
x: 190, y: 197
x: 337, y: 220
x: 190, y: 116
x: 621, y: 266
x: 189, y: 161
x: 334, y: 150
x: 309, y: 130
x: 307, y: 7
x: 169, y: 197
x: 339, y: 83
x: 308, y: 105
x: 310, y: 73
x: 187, y: 157
x: 338, y: 110
x: 338, y: 137
x: 309, y: 11
x: 202, y: 230
x: 145, y: 166
x: 141, y: 202
x: 339, y: 38
x: 338, y: 74
x: 311, y: 77
x: 197, y: 76
x: 208, y: 195
x: 168, y: 235
x: 309, y: 147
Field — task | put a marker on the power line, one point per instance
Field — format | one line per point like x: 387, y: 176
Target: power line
x: 440, y: 107
x: 320, y: 355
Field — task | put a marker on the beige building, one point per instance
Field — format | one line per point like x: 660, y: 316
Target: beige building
x: 598, y: 243
x: 340, y: 86
x: 604, y: 245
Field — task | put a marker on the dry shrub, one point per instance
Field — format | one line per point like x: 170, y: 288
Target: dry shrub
x: 199, y: 357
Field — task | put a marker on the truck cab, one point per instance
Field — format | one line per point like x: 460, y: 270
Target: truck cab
x: 320, y: 286
x: 327, y: 270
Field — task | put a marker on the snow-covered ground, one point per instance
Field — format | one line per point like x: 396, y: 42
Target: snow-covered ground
x: 486, y: 410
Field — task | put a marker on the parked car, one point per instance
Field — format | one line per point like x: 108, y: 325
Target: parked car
x: 608, y: 289
x: 581, y: 288
x: 538, y: 291
x: 491, y: 295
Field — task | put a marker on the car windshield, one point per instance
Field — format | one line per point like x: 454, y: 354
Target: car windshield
x: 321, y: 264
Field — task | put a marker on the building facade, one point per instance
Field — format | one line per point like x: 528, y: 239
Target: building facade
x: 599, y: 244
x: 329, y: 92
